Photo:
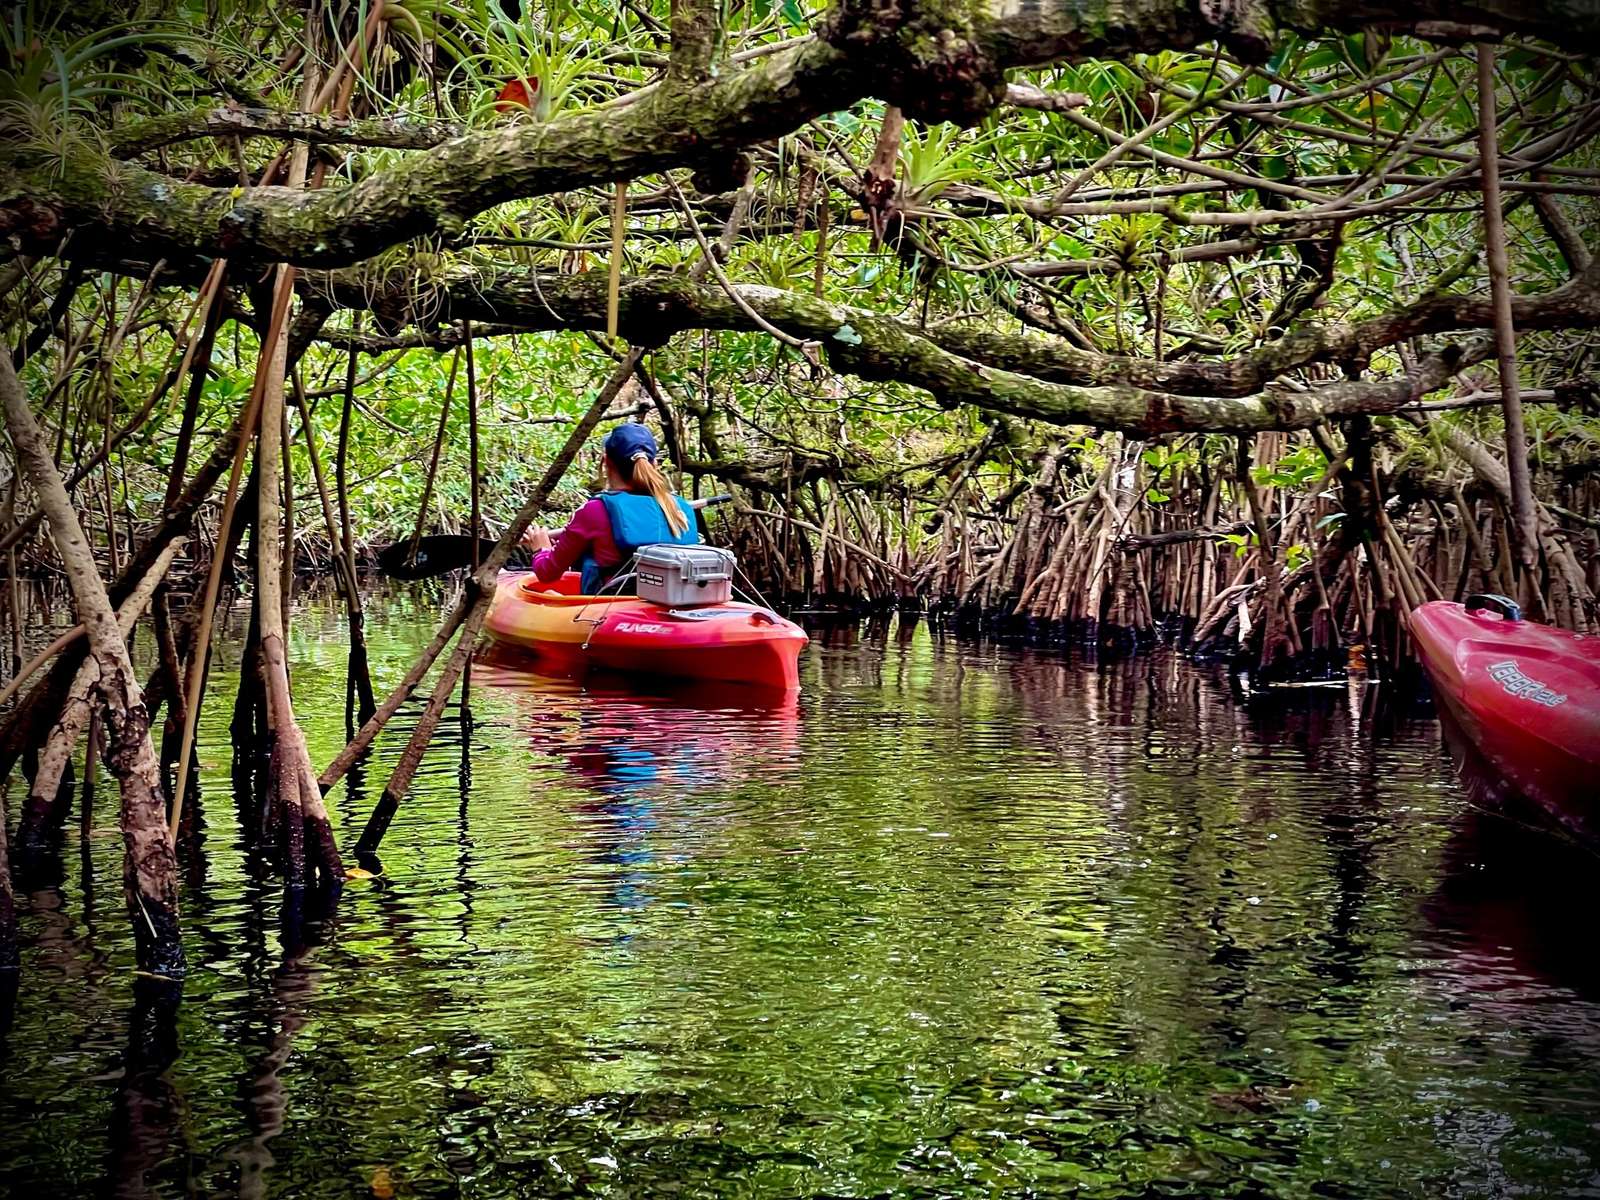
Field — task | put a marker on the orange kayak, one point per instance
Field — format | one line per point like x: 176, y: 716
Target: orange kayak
x: 731, y: 642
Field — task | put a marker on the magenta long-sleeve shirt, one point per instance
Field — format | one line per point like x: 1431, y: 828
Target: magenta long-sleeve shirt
x: 589, y: 532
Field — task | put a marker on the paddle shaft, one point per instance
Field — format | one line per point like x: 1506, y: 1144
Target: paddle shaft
x: 444, y: 552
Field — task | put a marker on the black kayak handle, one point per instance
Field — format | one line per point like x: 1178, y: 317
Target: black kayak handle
x: 1504, y: 605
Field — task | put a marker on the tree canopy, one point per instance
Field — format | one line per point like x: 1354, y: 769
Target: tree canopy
x: 1257, y: 321
x: 1148, y: 217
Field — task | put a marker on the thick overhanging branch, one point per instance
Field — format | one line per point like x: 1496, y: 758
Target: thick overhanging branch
x: 881, y: 348
x: 654, y: 307
x: 1576, y: 304
x: 938, y: 59
x: 436, y: 191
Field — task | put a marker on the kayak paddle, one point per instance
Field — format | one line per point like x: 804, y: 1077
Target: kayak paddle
x: 440, y: 553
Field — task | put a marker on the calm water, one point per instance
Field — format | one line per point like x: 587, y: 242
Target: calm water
x: 964, y: 921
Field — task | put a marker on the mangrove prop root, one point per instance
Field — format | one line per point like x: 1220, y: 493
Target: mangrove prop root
x: 246, y: 427
x: 469, y: 615
x: 149, y: 866
x: 43, y: 811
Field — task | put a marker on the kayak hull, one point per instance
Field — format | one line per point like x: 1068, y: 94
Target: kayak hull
x: 569, y: 633
x: 1527, y: 696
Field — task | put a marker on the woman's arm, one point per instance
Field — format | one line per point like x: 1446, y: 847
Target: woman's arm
x: 576, y: 540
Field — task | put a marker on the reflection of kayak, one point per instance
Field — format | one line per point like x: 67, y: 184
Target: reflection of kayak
x: 1526, y: 695
x: 1502, y: 912
x: 672, y: 737
x: 730, y: 642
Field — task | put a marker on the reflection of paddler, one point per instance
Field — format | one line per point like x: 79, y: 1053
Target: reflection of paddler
x: 619, y: 768
x: 638, y: 756
x: 724, y: 729
x: 609, y: 752
x: 622, y: 839
x: 680, y: 736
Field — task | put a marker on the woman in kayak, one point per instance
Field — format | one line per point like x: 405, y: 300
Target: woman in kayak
x: 637, y: 509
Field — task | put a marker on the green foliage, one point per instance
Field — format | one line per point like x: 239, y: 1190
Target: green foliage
x: 1124, y: 262
x: 1302, y: 465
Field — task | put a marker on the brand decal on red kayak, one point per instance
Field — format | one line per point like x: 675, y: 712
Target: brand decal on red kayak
x: 1511, y: 679
x: 647, y: 627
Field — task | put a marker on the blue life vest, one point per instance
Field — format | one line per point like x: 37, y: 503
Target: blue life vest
x: 636, y: 520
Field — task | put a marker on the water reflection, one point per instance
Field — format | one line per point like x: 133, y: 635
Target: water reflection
x: 641, y: 753
x: 961, y: 920
x: 146, y: 1122
x: 1514, y: 905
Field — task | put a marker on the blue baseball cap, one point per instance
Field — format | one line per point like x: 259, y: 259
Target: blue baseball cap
x: 623, y: 442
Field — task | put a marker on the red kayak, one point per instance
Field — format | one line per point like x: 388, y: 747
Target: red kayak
x: 1527, y: 696
x: 726, y: 642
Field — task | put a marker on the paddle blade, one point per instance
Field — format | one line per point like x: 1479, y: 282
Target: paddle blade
x: 437, y: 554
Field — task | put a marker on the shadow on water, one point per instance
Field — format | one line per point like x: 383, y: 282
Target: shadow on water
x: 960, y: 919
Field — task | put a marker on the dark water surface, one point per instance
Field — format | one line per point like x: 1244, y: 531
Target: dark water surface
x: 963, y: 921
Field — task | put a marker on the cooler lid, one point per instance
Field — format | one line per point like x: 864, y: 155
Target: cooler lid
x: 698, y: 562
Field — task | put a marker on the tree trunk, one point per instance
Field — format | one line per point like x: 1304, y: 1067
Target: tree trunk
x: 149, y: 866
x: 1524, y: 518
x: 297, y: 807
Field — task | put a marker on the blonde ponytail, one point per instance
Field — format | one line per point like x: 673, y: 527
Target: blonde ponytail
x: 647, y: 477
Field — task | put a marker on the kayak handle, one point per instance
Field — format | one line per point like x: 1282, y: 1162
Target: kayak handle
x: 1504, y: 605
x: 708, y: 501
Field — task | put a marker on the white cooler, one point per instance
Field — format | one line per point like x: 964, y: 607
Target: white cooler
x: 684, y: 576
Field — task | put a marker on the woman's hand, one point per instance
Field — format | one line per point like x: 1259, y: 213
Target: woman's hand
x: 536, y: 538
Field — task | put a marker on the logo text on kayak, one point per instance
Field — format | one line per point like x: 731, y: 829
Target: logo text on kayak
x: 1510, y: 677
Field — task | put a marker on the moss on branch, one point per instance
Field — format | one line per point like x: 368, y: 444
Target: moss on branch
x: 883, y: 348
x: 938, y: 59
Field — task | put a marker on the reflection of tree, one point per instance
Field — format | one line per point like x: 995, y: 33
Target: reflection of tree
x: 465, y: 885
x: 1215, y: 951
x: 148, y: 1117
x: 285, y: 1010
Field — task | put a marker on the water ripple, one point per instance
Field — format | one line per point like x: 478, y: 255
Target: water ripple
x: 960, y: 920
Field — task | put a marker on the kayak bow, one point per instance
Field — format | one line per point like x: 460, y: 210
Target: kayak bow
x: 1527, y: 695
